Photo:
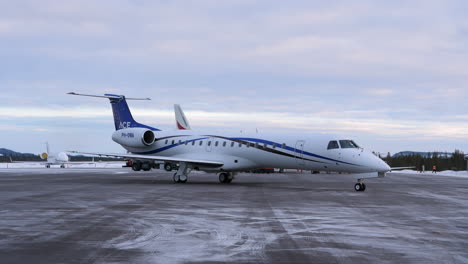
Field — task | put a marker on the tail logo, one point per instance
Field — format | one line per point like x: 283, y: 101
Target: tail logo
x: 125, y: 125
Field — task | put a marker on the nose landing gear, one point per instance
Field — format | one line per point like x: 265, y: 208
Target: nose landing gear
x: 359, y: 187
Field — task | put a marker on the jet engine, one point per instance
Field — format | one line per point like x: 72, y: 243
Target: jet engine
x: 44, y: 156
x: 134, y: 137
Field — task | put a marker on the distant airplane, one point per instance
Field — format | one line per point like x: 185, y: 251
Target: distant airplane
x: 229, y: 153
x: 60, y: 158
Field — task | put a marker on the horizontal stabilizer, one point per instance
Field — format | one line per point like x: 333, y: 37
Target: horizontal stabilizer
x: 108, y: 96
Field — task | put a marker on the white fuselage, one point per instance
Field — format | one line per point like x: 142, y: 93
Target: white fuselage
x: 243, y: 151
x: 58, y: 158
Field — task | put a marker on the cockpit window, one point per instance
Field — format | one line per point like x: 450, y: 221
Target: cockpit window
x: 348, y: 144
x: 333, y: 145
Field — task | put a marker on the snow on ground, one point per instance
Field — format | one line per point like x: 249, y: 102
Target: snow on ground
x: 449, y: 173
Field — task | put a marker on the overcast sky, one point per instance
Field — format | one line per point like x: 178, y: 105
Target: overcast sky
x: 393, y: 75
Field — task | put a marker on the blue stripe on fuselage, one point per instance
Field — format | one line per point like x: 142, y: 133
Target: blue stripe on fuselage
x: 293, y: 149
x: 248, y: 139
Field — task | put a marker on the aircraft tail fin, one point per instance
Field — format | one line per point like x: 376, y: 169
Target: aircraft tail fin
x: 181, y: 121
x: 46, y: 154
x: 122, y: 115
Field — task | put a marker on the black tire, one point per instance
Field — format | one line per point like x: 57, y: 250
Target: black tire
x: 146, y: 166
x: 223, y: 177
x: 358, y: 187
x: 363, y: 187
x: 136, y: 166
x: 168, y: 167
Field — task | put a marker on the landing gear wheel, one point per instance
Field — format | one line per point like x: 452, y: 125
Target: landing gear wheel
x: 363, y: 187
x: 62, y: 166
x: 175, y: 178
x: 47, y: 166
x: 223, y: 177
x: 179, y: 179
x: 168, y: 167
x: 183, y: 178
x: 358, y: 187
x: 136, y: 166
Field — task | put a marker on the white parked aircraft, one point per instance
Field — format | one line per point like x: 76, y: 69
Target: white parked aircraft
x: 230, y: 153
x: 60, y: 158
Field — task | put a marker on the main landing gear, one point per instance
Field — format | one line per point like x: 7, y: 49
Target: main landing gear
x: 226, y: 177
x: 360, y: 186
x: 181, y: 176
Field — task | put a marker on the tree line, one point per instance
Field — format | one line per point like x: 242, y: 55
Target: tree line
x: 455, y: 162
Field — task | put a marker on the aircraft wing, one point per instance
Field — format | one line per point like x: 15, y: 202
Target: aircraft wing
x: 206, y: 163
x: 403, y: 168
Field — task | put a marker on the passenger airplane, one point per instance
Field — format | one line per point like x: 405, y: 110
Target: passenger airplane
x: 60, y: 158
x: 230, y: 153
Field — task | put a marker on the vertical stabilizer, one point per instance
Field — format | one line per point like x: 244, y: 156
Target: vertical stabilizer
x: 122, y: 116
x: 181, y: 120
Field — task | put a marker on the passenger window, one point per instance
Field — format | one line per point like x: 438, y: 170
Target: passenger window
x: 193, y: 143
x: 333, y: 145
x: 232, y: 144
x: 180, y: 142
x: 274, y: 145
x: 224, y: 143
x: 265, y: 145
x: 166, y: 141
x: 240, y: 145
x: 186, y: 142
x: 209, y: 143
x: 216, y: 143
x: 284, y: 145
x: 201, y: 142
x: 173, y: 142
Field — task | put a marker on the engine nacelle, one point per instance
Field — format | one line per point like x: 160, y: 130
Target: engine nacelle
x: 134, y: 137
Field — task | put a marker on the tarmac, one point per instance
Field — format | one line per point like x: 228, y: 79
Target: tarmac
x: 120, y: 216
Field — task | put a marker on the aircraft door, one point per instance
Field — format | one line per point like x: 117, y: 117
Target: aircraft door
x: 299, y: 149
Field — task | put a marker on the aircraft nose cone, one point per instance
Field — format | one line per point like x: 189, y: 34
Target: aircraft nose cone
x: 382, y: 166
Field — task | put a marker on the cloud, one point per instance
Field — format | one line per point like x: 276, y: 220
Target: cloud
x: 373, y: 67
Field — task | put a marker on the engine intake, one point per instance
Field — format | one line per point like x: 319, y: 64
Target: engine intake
x: 134, y: 137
